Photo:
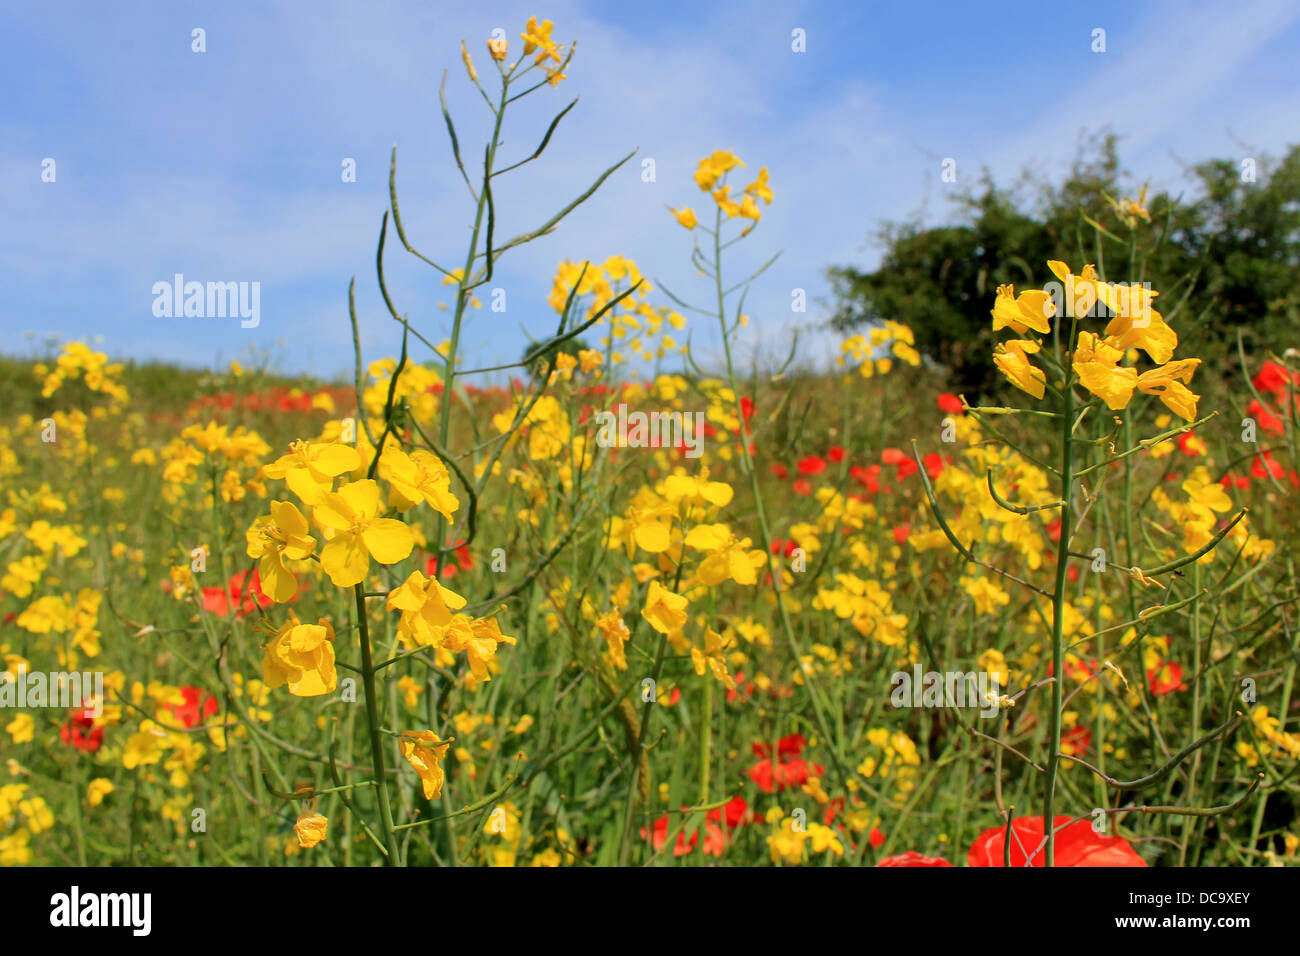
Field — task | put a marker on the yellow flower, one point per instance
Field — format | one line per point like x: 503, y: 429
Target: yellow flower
x: 1029, y: 310
x: 38, y: 813
x: 426, y: 608
x: 697, y: 490
x: 145, y: 747
x: 1143, y: 328
x: 729, y: 558
x: 352, y: 515
x: 711, y: 658
x: 14, y: 850
x: 302, y: 656
x: 824, y: 838
x: 725, y: 203
x: 410, y: 690
x: 786, y: 844
x: 994, y: 662
x: 425, y: 751
x: 22, y: 728
x: 685, y: 216
x: 616, y: 633
x: 273, y: 539
x: 22, y: 575
x: 420, y: 476
x: 478, y: 639
x: 987, y: 595
x: 1167, y: 382
x: 645, y: 526
x: 539, y: 38
x: 311, y: 829
x: 759, y: 187
x: 712, y: 168
x: 498, y: 49
x: 1134, y: 209
x: 98, y: 789
x: 1096, y: 364
x: 310, y: 468
x: 1135, y: 325
x: 665, y: 610
x: 1207, y: 493
x: 1012, y: 359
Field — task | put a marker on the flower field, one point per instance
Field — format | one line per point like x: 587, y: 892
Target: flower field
x: 620, y: 605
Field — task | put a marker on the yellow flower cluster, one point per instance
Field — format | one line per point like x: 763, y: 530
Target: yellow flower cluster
x: 428, y: 620
x: 893, y: 338
x: 709, y: 176
x: 79, y: 361
x: 1096, y: 360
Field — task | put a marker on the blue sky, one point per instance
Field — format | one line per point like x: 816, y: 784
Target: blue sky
x: 225, y: 165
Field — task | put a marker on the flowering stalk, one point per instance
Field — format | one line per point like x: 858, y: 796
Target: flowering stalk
x: 1058, y: 609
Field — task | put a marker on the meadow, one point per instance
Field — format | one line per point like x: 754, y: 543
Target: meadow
x: 439, y: 615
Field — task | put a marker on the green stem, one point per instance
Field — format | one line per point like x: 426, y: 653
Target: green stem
x: 376, y: 739
x: 1058, y: 619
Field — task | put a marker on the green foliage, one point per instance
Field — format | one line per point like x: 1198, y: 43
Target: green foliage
x: 1232, y: 250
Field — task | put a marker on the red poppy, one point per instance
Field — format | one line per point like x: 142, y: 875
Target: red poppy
x: 902, y: 533
x: 791, y: 746
x: 802, y: 487
x: 1267, y: 420
x: 893, y: 456
x: 1166, y: 679
x: 949, y: 402
x: 934, y: 465
x: 718, y: 826
x: 1266, y: 460
x: 912, y: 858
x: 1076, y: 845
x: 80, y: 732
x: 868, y: 478
x: 773, y: 778
x: 659, y: 835
x: 198, y: 706
x: 746, y: 407
x: 1075, y: 741
x: 743, y: 688
x: 812, y: 465
x: 835, y: 453
x: 733, y: 813
x: 1189, y: 443
x: 1273, y: 377
x: 780, y: 472
x: 461, y: 561
x: 241, y: 591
